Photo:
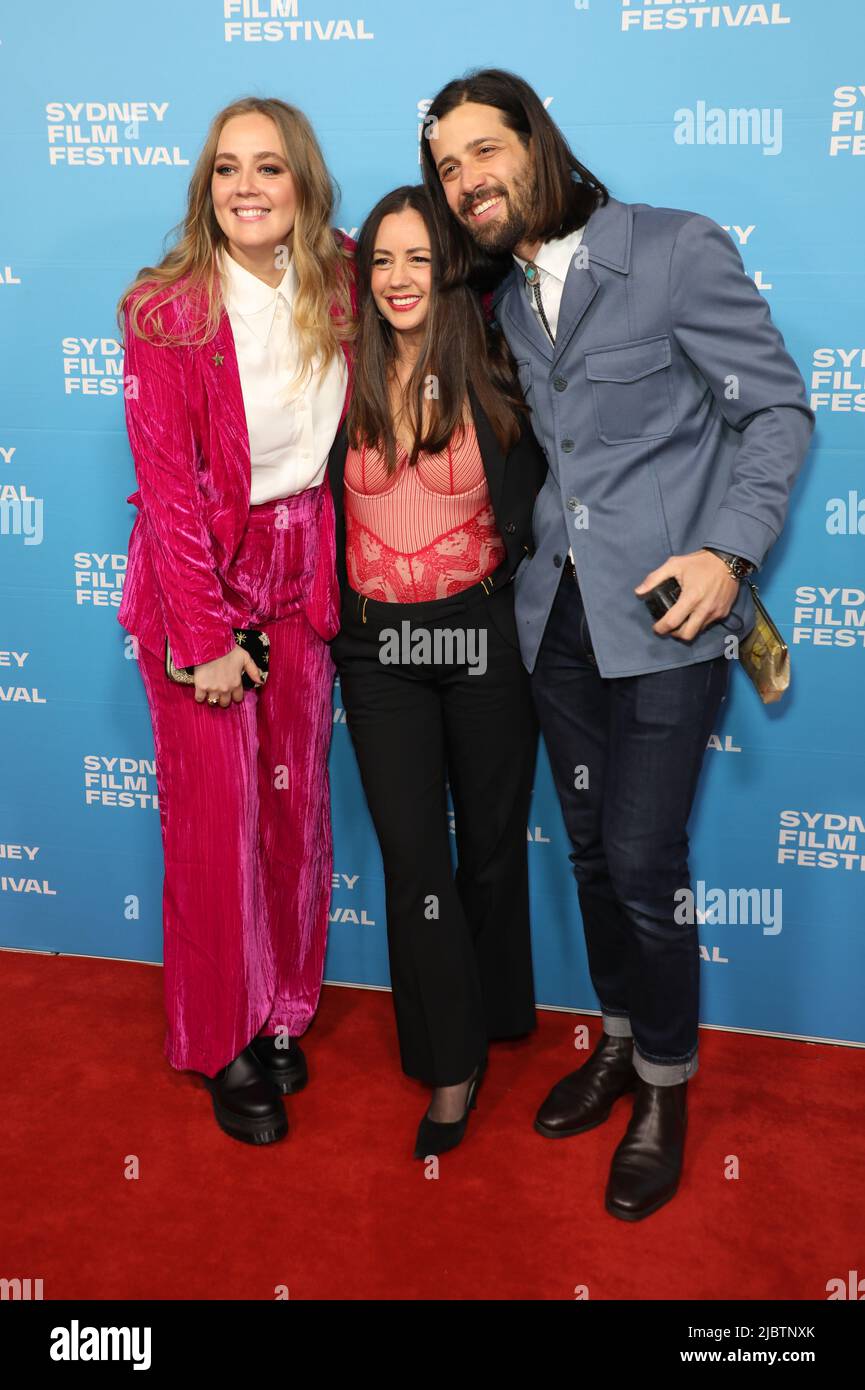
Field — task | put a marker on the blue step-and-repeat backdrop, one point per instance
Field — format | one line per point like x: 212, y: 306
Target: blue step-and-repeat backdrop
x: 753, y: 114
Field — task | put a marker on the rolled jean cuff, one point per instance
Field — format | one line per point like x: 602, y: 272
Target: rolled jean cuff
x: 616, y: 1025
x: 664, y: 1073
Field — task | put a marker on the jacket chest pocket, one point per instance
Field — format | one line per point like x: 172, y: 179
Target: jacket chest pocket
x: 632, y: 390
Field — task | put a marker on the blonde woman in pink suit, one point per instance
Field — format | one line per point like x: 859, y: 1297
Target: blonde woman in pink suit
x: 238, y: 371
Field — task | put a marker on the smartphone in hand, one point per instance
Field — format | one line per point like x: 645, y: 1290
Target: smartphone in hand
x: 662, y: 598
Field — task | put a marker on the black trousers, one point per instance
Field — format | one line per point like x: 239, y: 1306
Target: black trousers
x: 459, y: 944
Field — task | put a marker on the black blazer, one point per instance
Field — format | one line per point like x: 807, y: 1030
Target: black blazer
x: 514, y: 481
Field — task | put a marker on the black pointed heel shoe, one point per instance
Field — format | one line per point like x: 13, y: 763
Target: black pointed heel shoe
x: 435, y: 1136
x: 286, y: 1066
x: 246, y: 1103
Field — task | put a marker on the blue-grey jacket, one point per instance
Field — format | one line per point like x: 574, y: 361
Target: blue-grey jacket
x: 671, y: 416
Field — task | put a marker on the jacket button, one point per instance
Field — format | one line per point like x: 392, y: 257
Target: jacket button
x: 567, y: 445
x: 557, y: 560
x: 573, y: 503
x: 559, y: 382
x: 510, y: 527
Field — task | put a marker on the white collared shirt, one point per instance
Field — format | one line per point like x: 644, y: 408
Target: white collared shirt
x: 288, y: 442
x: 553, y: 260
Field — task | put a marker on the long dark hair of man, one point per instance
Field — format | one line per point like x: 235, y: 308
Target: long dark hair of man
x: 458, y: 349
x: 567, y: 192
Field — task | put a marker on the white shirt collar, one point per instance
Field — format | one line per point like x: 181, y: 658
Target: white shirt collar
x: 251, y: 298
x: 554, y: 257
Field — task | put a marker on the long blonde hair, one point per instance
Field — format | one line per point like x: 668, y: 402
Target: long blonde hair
x: 190, y: 268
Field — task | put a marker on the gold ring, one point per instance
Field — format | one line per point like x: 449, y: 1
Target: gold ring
x: 213, y: 699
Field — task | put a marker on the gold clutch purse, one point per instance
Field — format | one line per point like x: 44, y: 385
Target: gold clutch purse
x: 765, y: 656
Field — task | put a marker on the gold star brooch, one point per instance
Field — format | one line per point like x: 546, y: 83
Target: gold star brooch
x: 217, y: 359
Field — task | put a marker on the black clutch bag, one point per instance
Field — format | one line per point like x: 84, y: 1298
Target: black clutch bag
x: 252, y: 639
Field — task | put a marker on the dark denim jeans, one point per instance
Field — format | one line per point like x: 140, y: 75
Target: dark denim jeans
x: 641, y: 741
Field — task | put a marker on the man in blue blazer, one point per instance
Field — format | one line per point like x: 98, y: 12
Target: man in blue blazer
x: 674, y: 423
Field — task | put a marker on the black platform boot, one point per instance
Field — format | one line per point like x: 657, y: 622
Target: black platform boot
x: 247, y: 1104
x: 286, y: 1066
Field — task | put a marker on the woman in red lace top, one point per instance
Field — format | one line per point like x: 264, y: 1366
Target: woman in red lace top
x: 434, y: 475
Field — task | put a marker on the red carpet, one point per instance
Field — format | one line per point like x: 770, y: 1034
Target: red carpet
x: 340, y: 1210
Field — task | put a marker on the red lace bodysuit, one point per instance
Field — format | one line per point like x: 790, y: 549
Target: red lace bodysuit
x: 423, y: 532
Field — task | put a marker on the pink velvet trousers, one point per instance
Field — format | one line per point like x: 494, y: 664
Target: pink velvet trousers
x: 244, y: 804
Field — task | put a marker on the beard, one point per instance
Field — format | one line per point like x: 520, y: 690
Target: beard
x: 508, y: 229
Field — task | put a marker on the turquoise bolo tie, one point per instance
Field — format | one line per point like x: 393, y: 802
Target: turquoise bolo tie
x: 532, y: 273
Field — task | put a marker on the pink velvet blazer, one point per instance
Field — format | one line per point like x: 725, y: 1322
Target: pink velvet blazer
x: 190, y: 445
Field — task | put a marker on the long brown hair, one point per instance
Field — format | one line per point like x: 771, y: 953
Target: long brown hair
x: 566, y: 192
x: 190, y: 267
x: 458, y: 349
